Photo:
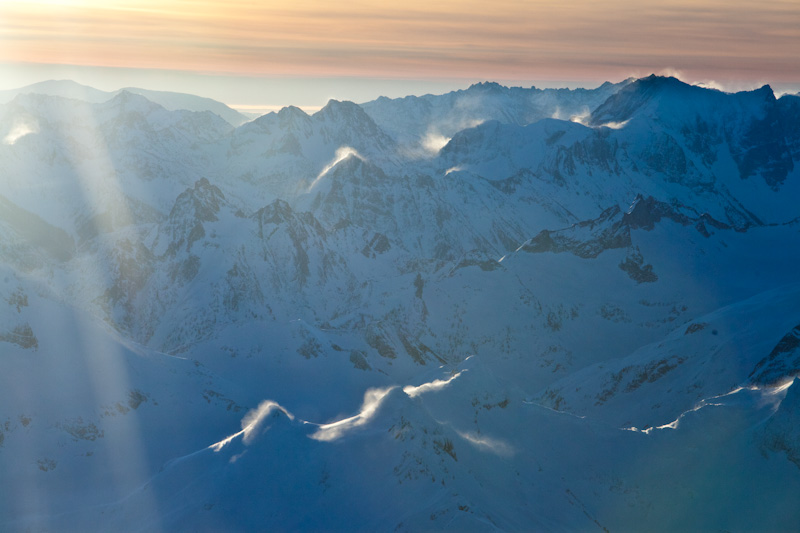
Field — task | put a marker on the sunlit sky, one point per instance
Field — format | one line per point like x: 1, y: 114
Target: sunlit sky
x: 278, y: 52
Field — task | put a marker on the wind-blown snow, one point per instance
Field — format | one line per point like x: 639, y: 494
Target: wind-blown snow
x: 337, y: 430
x: 341, y: 154
x: 427, y: 387
x: 20, y: 128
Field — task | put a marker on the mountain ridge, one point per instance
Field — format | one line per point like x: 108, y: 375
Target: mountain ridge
x: 167, y: 99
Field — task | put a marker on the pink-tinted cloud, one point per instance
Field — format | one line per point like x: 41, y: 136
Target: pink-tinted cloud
x: 493, y: 40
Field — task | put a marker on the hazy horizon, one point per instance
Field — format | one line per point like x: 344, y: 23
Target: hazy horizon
x: 272, y: 54
x: 259, y: 92
x: 264, y: 94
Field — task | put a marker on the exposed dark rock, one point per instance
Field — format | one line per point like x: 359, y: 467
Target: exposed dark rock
x: 695, y: 327
x: 21, y: 335
x: 479, y: 259
x: 644, y: 213
x: 782, y: 363
x: 636, y: 269
x: 763, y: 149
x: 586, y: 239
x: 376, y: 338
x: 377, y: 245
x: 358, y: 358
x: 192, y: 208
x: 782, y: 430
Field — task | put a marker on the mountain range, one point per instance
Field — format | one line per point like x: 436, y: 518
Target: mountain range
x: 493, y: 309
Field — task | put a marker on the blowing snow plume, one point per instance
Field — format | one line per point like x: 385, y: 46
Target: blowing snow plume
x: 433, y: 142
x: 253, y: 422
x: 341, y: 154
x: 438, y: 384
x: 21, y: 127
x: 336, y: 430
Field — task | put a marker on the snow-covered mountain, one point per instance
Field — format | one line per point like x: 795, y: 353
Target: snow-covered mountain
x: 169, y: 100
x: 424, y: 124
x: 494, y: 309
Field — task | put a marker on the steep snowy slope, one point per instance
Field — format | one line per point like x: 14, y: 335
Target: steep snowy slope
x: 716, y: 161
x: 84, y: 406
x: 71, y: 161
x: 424, y: 124
x: 708, y: 358
x: 496, y: 463
x: 189, y: 102
x: 283, y: 154
x: 703, y: 139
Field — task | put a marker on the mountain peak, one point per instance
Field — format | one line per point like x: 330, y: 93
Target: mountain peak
x: 277, y: 212
x: 204, y: 198
x: 622, y: 105
x: 655, y: 84
x: 174, y: 101
x: 487, y: 86
x: 350, y: 163
x: 344, y: 112
x: 66, y: 89
x: 285, y: 116
x: 128, y: 99
x: 340, y: 107
x: 766, y: 92
x: 292, y: 111
x: 52, y: 85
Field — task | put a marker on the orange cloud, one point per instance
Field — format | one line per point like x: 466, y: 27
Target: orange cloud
x: 505, y: 39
